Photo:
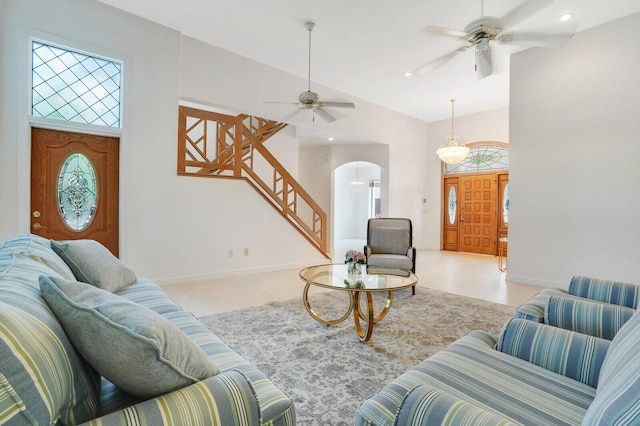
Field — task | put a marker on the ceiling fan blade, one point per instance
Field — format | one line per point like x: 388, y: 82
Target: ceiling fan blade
x: 292, y: 113
x: 447, y: 32
x: 535, y: 39
x: 337, y: 104
x: 441, y: 60
x: 283, y: 102
x: 324, y: 115
x: 483, y: 60
x: 522, y: 12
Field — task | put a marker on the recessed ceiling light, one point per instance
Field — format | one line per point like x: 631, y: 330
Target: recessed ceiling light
x: 407, y: 74
x: 329, y: 138
x: 566, y: 17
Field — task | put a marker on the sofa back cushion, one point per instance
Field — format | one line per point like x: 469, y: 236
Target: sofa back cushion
x: 43, y: 380
x: 586, y: 316
x: 617, y: 399
x: 574, y: 355
x: 38, y: 249
x: 607, y: 291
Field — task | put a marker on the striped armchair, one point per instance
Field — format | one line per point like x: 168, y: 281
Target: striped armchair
x: 590, y: 305
x: 532, y: 374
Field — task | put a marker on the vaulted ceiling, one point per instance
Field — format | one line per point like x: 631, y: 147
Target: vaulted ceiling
x: 364, y: 48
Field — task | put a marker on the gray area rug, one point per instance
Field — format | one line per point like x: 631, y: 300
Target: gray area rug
x: 327, y: 370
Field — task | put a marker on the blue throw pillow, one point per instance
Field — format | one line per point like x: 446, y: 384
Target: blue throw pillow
x: 132, y: 346
x: 93, y: 263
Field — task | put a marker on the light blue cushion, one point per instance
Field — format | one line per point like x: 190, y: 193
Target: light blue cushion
x: 617, y: 400
x: 586, y: 316
x: 92, y: 263
x: 608, y: 291
x: 574, y: 355
x: 132, y: 346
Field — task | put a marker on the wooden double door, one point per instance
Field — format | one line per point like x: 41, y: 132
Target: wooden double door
x: 475, y: 212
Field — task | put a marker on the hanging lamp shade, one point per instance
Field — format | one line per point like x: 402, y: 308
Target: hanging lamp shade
x: 355, y: 182
x: 452, y: 153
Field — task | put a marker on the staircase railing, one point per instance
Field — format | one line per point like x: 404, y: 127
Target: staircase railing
x: 222, y: 146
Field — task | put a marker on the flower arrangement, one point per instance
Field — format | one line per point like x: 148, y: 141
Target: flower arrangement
x: 354, y: 256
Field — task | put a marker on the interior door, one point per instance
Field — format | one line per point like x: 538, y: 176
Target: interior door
x: 74, y: 186
x: 478, y: 213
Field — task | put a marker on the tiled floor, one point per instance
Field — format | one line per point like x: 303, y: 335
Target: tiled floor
x: 470, y: 275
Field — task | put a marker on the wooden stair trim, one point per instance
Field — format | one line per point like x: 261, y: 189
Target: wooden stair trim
x: 238, y: 139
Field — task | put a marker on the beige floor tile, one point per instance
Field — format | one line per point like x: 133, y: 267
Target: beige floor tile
x: 465, y: 274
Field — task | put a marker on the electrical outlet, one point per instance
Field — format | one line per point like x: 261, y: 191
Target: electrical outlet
x: 246, y: 252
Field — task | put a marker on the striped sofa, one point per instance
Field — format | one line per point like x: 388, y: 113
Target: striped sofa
x: 592, y: 306
x: 44, y: 380
x: 532, y: 374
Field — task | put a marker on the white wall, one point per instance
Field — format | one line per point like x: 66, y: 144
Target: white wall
x: 181, y: 228
x: 574, y: 179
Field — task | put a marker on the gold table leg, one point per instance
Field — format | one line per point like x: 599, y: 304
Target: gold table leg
x: 369, y: 318
x: 314, y: 315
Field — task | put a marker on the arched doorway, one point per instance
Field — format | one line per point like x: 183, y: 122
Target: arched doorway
x: 356, y: 198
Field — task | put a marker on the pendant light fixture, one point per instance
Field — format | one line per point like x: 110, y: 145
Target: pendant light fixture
x: 452, y: 153
x: 356, y: 183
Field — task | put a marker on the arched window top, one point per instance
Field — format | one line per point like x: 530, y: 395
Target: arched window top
x: 484, y: 157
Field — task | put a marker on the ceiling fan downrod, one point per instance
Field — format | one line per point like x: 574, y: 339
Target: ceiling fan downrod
x: 309, y: 26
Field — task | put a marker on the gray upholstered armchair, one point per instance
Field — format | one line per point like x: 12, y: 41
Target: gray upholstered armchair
x: 390, y: 246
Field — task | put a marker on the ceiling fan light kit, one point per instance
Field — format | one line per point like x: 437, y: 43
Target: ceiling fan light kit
x: 452, y: 153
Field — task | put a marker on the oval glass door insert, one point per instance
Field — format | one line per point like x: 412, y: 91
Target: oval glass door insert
x: 77, y: 191
x: 453, y: 205
x: 505, y: 204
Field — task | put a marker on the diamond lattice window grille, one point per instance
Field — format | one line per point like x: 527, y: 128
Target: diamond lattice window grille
x: 482, y: 158
x: 73, y: 86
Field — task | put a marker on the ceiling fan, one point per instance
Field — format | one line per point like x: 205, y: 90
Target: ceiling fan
x: 311, y: 100
x: 485, y: 30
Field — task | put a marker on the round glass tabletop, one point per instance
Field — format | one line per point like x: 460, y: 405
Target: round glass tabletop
x: 335, y: 276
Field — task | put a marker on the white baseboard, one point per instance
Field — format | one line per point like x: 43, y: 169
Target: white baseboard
x: 535, y: 281
x: 235, y: 272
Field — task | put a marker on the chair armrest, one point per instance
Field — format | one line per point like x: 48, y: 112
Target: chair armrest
x: 411, y: 254
x: 225, y: 398
x: 533, y: 309
x: 615, y: 292
x: 574, y: 355
x: 426, y: 405
x: 586, y: 316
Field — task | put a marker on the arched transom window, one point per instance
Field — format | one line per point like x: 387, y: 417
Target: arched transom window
x: 484, y: 157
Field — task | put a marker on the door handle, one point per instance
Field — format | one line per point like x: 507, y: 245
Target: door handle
x: 36, y: 226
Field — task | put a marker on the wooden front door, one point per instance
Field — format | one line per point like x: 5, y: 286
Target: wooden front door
x: 75, y: 186
x: 478, y: 203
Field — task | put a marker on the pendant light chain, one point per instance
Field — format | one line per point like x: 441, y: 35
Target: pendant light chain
x: 452, y: 132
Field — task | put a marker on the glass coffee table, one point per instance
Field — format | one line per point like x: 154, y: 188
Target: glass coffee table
x: 335, y: 277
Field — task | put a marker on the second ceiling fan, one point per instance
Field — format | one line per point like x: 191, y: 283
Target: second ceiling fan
x: 485, y: 30
x: 311, y: 100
